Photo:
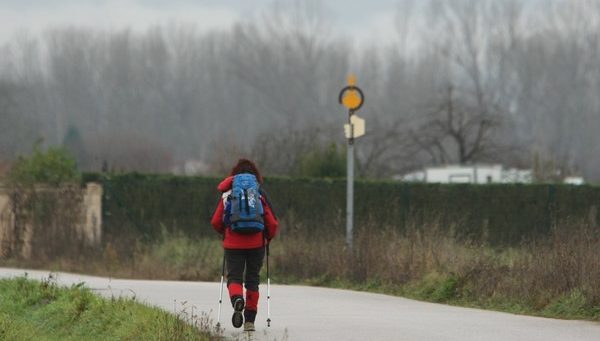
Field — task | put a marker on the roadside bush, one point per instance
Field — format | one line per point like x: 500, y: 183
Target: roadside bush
x: 53, y: 166
x: 327, y: 162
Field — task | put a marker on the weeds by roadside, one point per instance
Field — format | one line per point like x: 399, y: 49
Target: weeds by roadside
x: 555, y: 276
x: 558, y: 276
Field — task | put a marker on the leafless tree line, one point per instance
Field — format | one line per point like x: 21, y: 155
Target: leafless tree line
x: 467, y: 81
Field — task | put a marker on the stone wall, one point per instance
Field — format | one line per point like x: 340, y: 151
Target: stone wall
x: 91, y: 227
x: 46, y: 221
x: 6, y: 222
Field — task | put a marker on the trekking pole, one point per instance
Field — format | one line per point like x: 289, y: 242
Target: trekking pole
x: 268, y: 290
x: 221, y: 292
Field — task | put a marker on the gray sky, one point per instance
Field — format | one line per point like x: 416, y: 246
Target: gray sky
x: 365, y: 20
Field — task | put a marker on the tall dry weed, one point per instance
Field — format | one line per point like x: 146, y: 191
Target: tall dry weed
x: 535, y: 272
x: 566, y: 261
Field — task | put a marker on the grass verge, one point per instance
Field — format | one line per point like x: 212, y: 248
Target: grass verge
x: 555, y: 276
x: 33, y: 310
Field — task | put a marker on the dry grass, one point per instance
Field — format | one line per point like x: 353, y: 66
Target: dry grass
x: 546, y: 276
x: 558, y: 275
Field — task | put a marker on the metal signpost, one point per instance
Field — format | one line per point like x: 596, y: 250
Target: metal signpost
x: 352, y: 98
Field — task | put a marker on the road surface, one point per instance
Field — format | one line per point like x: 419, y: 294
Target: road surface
x: 310, y: 313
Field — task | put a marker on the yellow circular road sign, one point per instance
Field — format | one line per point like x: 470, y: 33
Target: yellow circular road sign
x: 351, y: 96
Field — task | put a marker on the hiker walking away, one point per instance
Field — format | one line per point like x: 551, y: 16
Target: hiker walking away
x: 245, y: 219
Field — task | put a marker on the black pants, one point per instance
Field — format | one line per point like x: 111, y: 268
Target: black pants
x: 249, y: 259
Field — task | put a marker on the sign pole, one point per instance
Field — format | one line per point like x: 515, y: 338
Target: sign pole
x: 350, y: 186
x: 352, y: 98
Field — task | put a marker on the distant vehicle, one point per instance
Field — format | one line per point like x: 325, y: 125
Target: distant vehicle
x: 574, y: 180
x: 191, y: 167
x: 473, y: 174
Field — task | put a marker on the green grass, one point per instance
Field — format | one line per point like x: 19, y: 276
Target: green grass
x: 32, y: 310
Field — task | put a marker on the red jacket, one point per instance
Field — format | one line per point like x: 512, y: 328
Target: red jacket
x: 235, y: 240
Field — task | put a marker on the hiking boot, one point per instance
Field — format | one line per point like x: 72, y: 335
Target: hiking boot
x: 249, y: 327
x: 238, y: 305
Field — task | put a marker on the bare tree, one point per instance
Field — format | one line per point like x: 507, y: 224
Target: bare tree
x: 467, y: 52
x: 386, y: 149
x: 522, y: 75
x: 457, y: 132
x: 18, y: 131
x: 290, y: 63
x: 281, y: 152
x: 125, y: 152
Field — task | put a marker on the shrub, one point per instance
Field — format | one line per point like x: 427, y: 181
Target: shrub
x: 52, y: 166
x: 324, y: 163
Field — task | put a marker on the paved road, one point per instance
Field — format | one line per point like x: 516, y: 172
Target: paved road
x: 308, y: 313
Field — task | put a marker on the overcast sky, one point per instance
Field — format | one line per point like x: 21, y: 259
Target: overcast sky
x: 367, y: 20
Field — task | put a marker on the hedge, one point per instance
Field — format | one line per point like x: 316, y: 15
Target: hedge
x: 146, y: 205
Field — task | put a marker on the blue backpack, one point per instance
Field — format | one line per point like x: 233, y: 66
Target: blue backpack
x: 243, y: 209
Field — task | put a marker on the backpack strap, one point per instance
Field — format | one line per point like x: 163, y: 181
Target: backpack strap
x: 246, y: 200
x: 264, y: 194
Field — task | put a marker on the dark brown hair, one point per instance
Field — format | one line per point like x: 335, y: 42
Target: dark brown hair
x: 246, y: 166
